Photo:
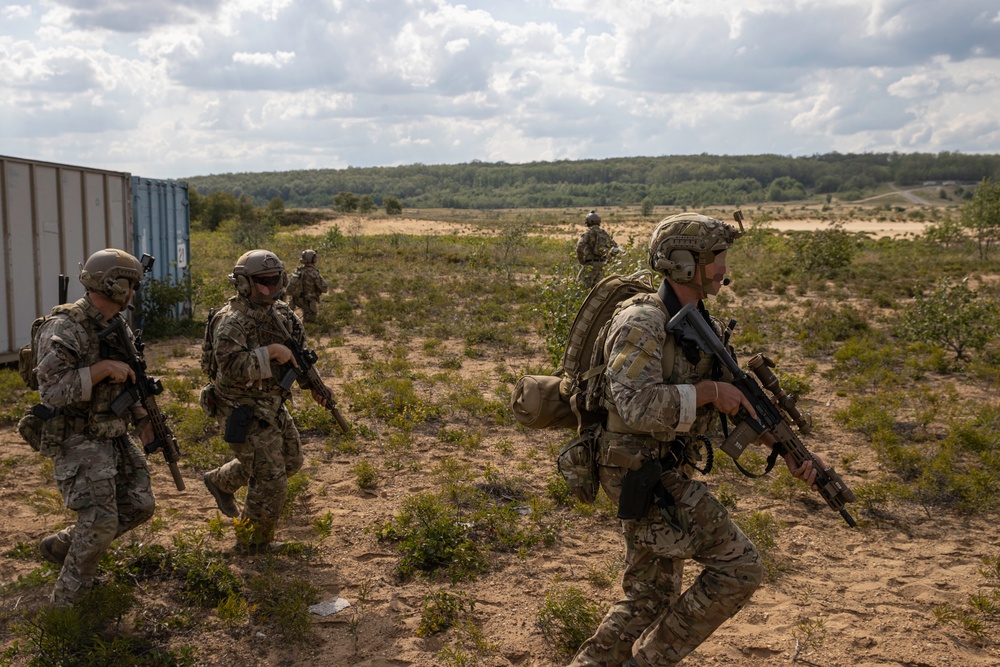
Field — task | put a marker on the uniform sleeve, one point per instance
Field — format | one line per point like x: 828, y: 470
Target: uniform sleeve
x: 61, y: 379
x: 236, y: 360
x: 642, y: 396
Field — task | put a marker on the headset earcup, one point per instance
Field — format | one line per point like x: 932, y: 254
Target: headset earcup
x: 682, y: 265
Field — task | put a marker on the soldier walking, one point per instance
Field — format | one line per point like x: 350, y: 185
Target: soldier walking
x: 660, y: 397
x: 99, y: 470
x: 305, y: 287
x: 245, y: 358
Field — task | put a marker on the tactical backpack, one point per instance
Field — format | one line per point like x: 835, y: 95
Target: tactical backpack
x: 295, y: 285
x: 27, y: 356
x: 571, y: 398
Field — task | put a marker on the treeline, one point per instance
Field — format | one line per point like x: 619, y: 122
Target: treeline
x: 685, y: 180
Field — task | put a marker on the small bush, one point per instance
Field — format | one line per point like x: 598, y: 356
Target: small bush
x: 567, y: 619
x: 441, y: 610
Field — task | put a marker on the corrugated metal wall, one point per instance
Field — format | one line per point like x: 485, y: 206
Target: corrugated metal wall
x: 162, y: 223
x: 53, y: 217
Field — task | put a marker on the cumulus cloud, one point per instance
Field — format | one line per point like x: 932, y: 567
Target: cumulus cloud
x: 198, y: 86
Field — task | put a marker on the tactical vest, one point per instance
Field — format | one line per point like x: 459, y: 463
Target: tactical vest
x: 266, y: 395
x: 93, y: 418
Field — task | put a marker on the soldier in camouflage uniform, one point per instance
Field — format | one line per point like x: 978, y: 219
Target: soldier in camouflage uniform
x: 245, y: 359
x: 593, y: 250
x: 660, y: 397
x: 305, y: 287
x: 99, y: 470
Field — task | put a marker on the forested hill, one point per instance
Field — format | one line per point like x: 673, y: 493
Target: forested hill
x: 691, y: 180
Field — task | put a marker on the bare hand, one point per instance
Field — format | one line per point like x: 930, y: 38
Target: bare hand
x: 319, y: 397
x: 806, y: 472
x: 281, y: 354
x: 114, y: 371
x: 726, y: 398
x: 147, y: 435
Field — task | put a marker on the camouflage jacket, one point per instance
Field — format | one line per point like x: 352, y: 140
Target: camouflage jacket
x: 239, y: 334
x: 67, y: 346
x: 649, y: 398
x: 311, y: 283
x: 594, y: 245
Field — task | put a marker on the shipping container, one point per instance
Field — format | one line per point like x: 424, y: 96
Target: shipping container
x: 54, y: 216
x: 162, y: 227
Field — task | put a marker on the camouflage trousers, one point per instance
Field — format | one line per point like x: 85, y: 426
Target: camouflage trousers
x: 263, y: 464
x: 309, y: 306
x: 590, y: 274
x: 106, y: 482
x: 662, y: 623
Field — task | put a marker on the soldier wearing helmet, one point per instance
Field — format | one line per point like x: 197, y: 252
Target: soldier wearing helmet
x: 245, y: 358
x: 661, y: 397
x: 305, y: 287
x: 101, y: 473
x: 593, y: 250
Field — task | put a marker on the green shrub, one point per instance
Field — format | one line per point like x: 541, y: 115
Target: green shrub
x: 441, y: 610
x: 953, y: 316
x: 567, y: 619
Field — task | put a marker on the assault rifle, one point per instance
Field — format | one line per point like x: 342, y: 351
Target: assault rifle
x: 144, y: 389
x: 306, y: 361
x: 773, y: 415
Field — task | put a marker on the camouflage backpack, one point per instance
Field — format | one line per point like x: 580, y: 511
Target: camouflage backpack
x: 571, y: 398
x: 27, y: 356
x: 295, y: 285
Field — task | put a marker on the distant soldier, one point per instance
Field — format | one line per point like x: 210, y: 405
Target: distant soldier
x: 593, y: 251
x: 100, y: 472
x: 245, y: 357
x: 305, y: 287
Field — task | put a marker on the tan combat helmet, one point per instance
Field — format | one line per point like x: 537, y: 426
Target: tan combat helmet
x: 111, y: 273
x: 308, y: 256
x: 256, y: 263
x: 682, y: 243
x: 592, y: 219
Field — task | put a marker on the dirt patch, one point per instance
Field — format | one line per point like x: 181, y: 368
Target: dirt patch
x: 377, y: 226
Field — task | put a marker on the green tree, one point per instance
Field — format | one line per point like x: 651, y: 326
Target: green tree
x: 953, y: 316
x: 647, y: 207
x: 345, y: 202
x: 366, y: 204
x: 392, y: 206
x: 219, y: 206
x: 981, y: 215
x: 276, y: 210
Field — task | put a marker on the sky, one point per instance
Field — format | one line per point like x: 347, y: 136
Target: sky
x: 179, y: 88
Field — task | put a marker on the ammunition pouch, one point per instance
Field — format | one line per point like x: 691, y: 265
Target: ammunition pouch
x: 209, y: 405
x: 577, y: 462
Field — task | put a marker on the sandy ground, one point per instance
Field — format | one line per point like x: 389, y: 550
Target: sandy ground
x: 844, y: 598
x: 377, y: 226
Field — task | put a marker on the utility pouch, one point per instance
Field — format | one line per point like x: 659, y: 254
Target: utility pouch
x: 577, y: 462
x: 638, y: 487
x: 238, y: 424
x: 206, y: 399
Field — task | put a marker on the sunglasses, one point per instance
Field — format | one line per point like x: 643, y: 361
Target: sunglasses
x: 267, y: 281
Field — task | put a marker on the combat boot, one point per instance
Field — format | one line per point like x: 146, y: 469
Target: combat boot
x: 225, y: 501
x: 54, y: 548
x: 631, y: 662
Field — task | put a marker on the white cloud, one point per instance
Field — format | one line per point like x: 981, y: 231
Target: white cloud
x: 274, y: 60
x: 199, y: 86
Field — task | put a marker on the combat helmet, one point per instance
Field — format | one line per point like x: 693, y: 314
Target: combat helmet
x: 255, y: 263
x: 592, y: 219
x: 681, y: 243
x: 308, y: 256
x: 111, y: 273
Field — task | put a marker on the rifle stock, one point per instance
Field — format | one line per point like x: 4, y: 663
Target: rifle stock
x: 143, y: 391
x: 771, y: 421
x: 305, y: 368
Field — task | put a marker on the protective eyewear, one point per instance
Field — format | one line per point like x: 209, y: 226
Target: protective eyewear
x: 267, y: 281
